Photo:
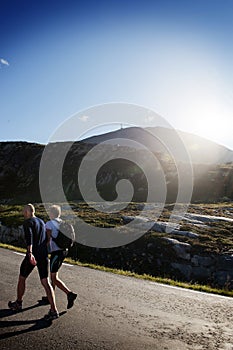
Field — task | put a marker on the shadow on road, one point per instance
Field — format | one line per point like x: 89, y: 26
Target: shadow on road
x: 8, y: 312
x: 36, y: 325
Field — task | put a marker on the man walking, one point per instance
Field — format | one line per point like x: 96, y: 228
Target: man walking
x: 37, y: 255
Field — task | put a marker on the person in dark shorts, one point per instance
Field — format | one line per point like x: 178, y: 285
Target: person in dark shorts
x: 37, y: 255
x: 57, y: 254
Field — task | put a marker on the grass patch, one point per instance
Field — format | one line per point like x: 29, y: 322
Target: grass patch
x: 167, y: 281
x: 11, y: 247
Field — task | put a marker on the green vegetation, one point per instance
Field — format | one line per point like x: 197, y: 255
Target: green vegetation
x: 215, y: 237
x: 150, y: 257
x: 12, y: 216
x: 168, y: 281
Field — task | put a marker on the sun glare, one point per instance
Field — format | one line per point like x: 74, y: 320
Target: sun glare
x: 209, y: 117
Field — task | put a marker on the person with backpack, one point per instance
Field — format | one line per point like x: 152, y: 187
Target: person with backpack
x: 58, y: 253
x: 37, y: 255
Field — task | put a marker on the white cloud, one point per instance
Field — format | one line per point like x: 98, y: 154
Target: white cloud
x: 4, y: 62
x: 84, y: 118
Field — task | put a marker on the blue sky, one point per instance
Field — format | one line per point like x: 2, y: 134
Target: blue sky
x: 60, y: 57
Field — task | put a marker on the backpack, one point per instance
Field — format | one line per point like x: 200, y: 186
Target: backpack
x: 66, y: 235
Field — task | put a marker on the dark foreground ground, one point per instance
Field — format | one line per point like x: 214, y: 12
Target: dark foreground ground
x: 112, y: 312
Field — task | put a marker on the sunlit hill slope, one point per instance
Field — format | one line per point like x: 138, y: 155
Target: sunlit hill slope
x: 212, y: 166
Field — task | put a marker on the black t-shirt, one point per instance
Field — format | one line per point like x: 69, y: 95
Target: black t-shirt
x: 35, y: 235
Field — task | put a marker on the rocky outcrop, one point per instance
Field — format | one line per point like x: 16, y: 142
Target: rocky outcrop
x: 161, y: 255
x: 12, y: 235
x: 158, y: 226
x: 199, y: 219
x: 181, y: 249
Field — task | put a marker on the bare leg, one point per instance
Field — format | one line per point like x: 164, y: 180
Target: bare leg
x: 59, y: 283
x: 50, y: 293
x: 52, y: 283
x: 21, y: 287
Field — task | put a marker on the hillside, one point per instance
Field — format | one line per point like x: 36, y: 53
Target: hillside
x: 201, y: 150
x: 200, y: 250
x: 213, y: 177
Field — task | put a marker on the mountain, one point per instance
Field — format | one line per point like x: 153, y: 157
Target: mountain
x: 213, y: 170
x: 19, y: 171
x: 157, y: 139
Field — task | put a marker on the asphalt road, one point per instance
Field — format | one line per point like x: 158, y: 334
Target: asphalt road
x: 112, y: 312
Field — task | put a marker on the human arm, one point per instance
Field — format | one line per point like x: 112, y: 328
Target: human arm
x: 29, y: 241
x: 49, y: 235
x: 30, y: 255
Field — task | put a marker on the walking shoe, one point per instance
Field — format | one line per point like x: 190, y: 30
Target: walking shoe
x: 45, y: 300
x: 51, y: 315
x: 15, y: 305
x: 71, y: 298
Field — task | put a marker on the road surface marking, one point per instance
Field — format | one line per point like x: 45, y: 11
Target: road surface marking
x: 167, y: 286
x: 190, y: 290
x: 24, y: 254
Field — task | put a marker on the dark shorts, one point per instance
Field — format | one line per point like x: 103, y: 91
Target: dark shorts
x: 42, y: 266
x: 57, y: 259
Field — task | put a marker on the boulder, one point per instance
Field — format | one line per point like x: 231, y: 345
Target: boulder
x: 205, y: 218
x: 223, y: 278
x: 201, y: 273
x: 225, y: 262
x: 204, y: 261
x: 158, y: 226
x: 185, y: 270
x: 10, y: 235
x: 181, y: 249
